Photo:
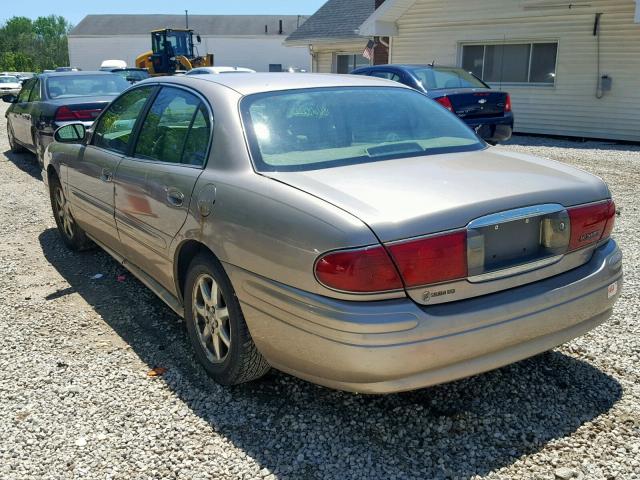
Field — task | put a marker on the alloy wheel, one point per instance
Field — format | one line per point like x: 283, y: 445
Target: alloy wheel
x: 63, y: 213
x: 211, y: 318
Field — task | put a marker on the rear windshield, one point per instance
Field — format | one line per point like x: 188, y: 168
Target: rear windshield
x: 438, y: 78
x: 329, y: 127
x: 8, y: 79
x: 85, y: 85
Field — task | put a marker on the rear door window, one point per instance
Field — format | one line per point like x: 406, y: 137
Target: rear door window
x: 175, y: 130
x: 23, y: 96
x: 114, y: 128
x: 35, y: 93
x: 388, y: 75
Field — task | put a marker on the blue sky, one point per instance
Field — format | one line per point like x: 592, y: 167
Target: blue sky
x: 75, y: 10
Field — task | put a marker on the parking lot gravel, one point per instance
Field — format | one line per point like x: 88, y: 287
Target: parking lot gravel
x: 77, y: 399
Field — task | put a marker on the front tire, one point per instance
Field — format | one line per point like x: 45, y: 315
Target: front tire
x: 216, y: 326
x: 72, y: 235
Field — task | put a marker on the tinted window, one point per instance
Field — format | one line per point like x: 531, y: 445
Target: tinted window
x: 438, y: 78
x: 197, y: 144
x: 166, y: 129
x: 388, y: 75
x: 114, y: 128
x: 135, y: 75
x: 23, y: 96
x: 35, y: 93
x: 327, y: 127
x: 85, y: 85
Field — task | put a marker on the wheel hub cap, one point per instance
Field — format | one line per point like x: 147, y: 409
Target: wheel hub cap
x: 211, y: 317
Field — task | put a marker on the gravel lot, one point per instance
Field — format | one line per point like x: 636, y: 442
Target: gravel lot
x: 76, y: 400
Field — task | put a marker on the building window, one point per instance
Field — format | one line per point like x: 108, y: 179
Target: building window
x: 347, y: 63
x: 512, y: 62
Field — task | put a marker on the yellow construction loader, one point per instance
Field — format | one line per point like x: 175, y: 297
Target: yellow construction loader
x: 172, y: 51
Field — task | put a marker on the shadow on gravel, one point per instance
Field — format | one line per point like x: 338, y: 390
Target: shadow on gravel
x: 576, y: 143
x: 302, y: 431
x: 27, y: 162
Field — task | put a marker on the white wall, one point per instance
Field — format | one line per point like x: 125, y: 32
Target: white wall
x: 252, y: 52
x: 434, y: 30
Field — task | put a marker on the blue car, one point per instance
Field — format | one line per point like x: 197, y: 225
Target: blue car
x: 486, y: 111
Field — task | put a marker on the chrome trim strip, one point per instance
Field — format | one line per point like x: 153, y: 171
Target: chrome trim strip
x: 508, y: 272
x: 516, y: 214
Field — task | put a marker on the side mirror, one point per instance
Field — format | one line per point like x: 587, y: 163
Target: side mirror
x: 9, y: 98
x: 199, y: 38
x: 71, y: 133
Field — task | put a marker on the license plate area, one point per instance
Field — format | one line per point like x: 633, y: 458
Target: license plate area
x: 516, y: 241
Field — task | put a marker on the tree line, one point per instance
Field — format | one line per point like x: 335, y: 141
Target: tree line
x: 34, y: 45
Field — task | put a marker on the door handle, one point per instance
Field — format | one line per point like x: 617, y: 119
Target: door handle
x: 175, y: 197
x: 106, y: 175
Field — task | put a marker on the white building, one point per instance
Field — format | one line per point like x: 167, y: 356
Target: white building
x: 253, y: 41
x: 572, y: 68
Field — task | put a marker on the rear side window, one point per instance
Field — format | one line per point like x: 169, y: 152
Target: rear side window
x: 438, y: 78
x: 388, y: 75
x: 35, y: 93
x: 23, y: 96
x: 113, y: 131
x: 176, y: 129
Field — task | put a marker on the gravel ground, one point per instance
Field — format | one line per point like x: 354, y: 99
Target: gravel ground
x: 76, y: 400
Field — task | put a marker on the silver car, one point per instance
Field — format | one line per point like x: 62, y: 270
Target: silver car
x: 346, y: 230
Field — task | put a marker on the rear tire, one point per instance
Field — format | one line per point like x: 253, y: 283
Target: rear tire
x: 216, y: 326
x: 39, y: 149
x: 72, y: 234
x: 13, y: 144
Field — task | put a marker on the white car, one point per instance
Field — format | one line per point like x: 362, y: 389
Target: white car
x: 10, y: 85
x: 217, y: 70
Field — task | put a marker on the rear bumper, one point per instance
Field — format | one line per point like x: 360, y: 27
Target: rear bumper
x: 395, y: 345
x: 493, y: 129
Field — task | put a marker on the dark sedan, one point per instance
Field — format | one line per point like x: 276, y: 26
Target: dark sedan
x: 486, y: 111
x: 55, y: 99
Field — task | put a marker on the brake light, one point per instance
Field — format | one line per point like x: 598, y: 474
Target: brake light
x: 445, y: 102
x: 507, y: 103
x: 65, y: 114
x: 591, y: 223
x: 360, y: 270
x: 432, y: 259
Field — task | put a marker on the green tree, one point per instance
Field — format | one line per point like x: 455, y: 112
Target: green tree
x: 27, y: 45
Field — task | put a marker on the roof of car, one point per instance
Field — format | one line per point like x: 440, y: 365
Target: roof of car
x: 407, y: 65
x: 72, y: 74
x: 249, y: 83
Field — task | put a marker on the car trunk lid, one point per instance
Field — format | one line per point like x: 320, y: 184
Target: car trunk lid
x: 476, y: 103
x: 413, y: 198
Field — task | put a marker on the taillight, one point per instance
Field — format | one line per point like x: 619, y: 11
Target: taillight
x: 360, y: 270
x: 445, y: 102
x: 432, y: 259
x: 591, y: 223
x: 507, y: 103
x: 65, y: 114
